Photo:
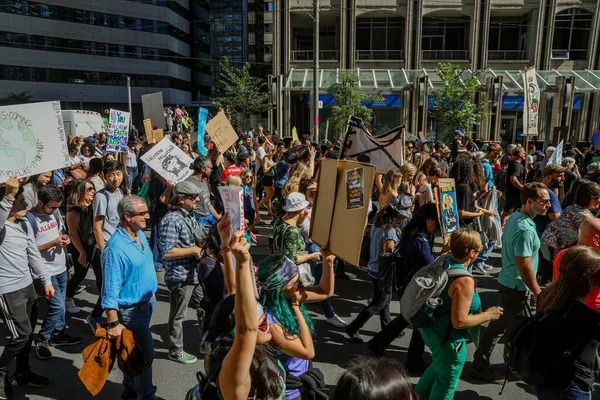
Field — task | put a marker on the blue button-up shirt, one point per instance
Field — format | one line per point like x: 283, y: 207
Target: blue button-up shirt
x: 174, y: 232
x: 128, y: 271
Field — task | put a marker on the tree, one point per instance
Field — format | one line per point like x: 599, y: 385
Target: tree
x: 16, y: 98
x: 453, y: 104
x: 349, y: 102
x: 241, y: 95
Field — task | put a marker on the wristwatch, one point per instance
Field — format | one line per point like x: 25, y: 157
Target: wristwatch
x: 113, y: 324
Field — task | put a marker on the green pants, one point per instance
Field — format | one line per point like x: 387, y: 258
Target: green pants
x: 440, y: 380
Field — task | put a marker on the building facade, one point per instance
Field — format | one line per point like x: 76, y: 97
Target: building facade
x: 402, y: 35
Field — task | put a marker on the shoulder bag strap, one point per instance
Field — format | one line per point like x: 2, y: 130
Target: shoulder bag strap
x: 189, y: 227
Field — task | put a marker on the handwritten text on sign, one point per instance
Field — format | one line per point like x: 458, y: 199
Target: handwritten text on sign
x: 233, y: 202
x: 118, y: 131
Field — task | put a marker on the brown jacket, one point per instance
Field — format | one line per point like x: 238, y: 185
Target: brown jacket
x: 99, y: 357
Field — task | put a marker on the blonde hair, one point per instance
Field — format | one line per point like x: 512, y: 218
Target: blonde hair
x: 392, y: 181
x: 292, y: 185
x: 462, y: 241
x: 423, y: 157
x: 233, y: 180
x: 301, y: 171
x: 270, y: 150
x: 245, y: 172
x: 406, y: 170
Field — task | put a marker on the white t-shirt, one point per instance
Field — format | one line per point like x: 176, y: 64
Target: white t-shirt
x: 49, y: 228
x: 106, y: 206
x: 426, y: 194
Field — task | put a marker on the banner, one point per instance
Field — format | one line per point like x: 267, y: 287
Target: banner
x: 386, y: 151
x: 532, y: 102
x: 118, y: 131
x: 233, y: 202
x: 202, y: 115
x: 221, y: 132
x: 558, y: 154
x: 294, y: 134
x: 169, y: 161
x: 32, y: 139
x: 447, y: 206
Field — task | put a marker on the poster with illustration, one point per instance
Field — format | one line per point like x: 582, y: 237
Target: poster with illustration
x: 447, y: 206
x: 169, y: 161
x: 354, y: 188
x: 32, y: 139
x: 532, y: 102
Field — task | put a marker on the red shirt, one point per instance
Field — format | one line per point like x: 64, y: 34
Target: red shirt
x: 593, y: 298
x: 231, y: 170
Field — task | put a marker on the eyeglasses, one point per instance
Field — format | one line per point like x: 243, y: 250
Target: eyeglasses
x: 410, y: 148
x: 544, y: 201
x: 139, y: 213
x: 189, y: 196
x: 51, y: 208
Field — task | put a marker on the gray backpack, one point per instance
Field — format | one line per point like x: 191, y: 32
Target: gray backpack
x: 422, y: 294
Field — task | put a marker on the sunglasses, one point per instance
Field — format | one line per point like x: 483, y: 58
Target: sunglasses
x: 544, y: 201
x: 137, y: 214
x: 90, y: 189
x: 51, y: 208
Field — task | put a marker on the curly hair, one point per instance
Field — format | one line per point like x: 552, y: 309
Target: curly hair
x: 463, y: 171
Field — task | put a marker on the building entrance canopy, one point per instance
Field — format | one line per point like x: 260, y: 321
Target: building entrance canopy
x: 392, y: 80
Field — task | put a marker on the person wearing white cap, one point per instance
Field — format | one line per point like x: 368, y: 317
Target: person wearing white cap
x: 287, y: 238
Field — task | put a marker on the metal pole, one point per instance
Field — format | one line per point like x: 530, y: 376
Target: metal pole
x: 80, y: 100
x: 316, y: 71
x: 129, y: 99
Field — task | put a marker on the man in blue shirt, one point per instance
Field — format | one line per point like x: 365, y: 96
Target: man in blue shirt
x: 129, y: 285
x: 520, y: 247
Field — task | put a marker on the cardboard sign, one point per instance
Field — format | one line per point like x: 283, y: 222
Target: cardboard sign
x: 154, y: 109
x: 148, y: 127
x: 355, y: 188
x: 32, y: 139
x: 118, y: 131
x: 169, y: 161
x: 447, y: 206
x: 336, y: 215
x: 157, y: 135
x: 221, y: 132
x: 233, y: 202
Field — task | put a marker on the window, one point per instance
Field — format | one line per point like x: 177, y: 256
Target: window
x: 380, y: 38
x: 268, y: 28
x: 444, y: 39
x: 268, y: 7
x: 572, y: 34
x: 268, y: 49
x: 507, y: 37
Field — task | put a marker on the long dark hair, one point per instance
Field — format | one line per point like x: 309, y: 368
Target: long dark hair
x: 371, y: 378
x: 212, y: 243
x: 76, y: 191
x: 463, y: 171
x: 221, y: 333
x: 387, y: 216
x: 418, y: 224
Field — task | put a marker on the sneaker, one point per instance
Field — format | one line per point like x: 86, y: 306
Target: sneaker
x: 487, y: 375
x: 182, y: 357
x: 337, y: 321
x: 93, y: 322
x: 71, y: 307
x: 42, y: 349
x: 80, y: 289
x: 6, y: 389
x: 31, y: 379
x: 65, y: 340
x: 354, y: 336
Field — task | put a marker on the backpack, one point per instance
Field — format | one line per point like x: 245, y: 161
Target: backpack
x: 422, y: 294
x: 531, y: 355
x: 500, y: 179
x: 205, y: 389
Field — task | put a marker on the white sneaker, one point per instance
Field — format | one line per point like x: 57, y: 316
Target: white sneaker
x: 337, y: 321
x: 71, y: 307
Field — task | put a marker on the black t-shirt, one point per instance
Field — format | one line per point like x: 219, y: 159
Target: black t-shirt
x: 570, y: 177
x: 454, y: 148
x: 85, y: 230
x: 215, y: 175
x: 514, y: 169
x: 577, y: 328
x: 157, y: 208
x: 465, y: 200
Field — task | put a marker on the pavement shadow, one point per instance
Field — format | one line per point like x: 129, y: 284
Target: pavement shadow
x: 470, y: 394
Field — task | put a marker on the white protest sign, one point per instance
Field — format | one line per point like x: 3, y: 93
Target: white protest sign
x: 118, y: 131
x: 169, y: 161
x: 233, y: 202
x: 32, y: 139
x: 558, y: 154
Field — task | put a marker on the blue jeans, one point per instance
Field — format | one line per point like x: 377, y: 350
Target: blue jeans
x: 156, y: 253
x: 137, y: 318
x: 316, y: 268
x: 54, y: 323
x: 573, y: 393
x: 486, y: 252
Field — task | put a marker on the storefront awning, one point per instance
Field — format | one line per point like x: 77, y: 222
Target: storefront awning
x: 393, y: 80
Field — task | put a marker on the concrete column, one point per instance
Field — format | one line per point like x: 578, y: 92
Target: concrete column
x: 595, y: 117
x: 474, y: 39
x: 343, y: 29
x: 538, y: 18
x: 543, y: 116
x: 417, y: 37
x: 487, y: 97
x: 584, y: 112
x: 557, y: 107
x: 408, y: 36
x: 549, y: 33
x: 286, y: 29
x: 594, y: 47
x: 351, y: 23
x: 483, y: 57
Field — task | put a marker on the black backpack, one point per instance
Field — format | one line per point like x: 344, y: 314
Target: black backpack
x: 500, y: 179
x: 205, y: 389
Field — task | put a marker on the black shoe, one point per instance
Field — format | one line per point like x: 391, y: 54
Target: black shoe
x: 6, y: 389
x: 42, y: 349
x: 354, y: 336
x: 65, y: 340
x: 31, y: 379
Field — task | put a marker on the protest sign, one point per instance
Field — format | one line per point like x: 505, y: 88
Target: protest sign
x: 558, y: 154
x: 221, y: 132
x: 148, y: 128
x: 169, y: 161
x: 157, y: 135
x: 154, y: 109
x: 340, y: 210
x: 32, y: 139
x: 118, y: 131
x: 233, y: 203
x: 447, y: 206
x: 202, y: 115
x: 532, y: 102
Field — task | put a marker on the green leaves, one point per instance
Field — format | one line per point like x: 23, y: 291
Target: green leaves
x: 454, y: 104
x: 349, y: 102
x: 241, y: 93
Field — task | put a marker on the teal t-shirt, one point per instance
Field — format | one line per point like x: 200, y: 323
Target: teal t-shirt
x: 443, y: 322
x: 520, y: 239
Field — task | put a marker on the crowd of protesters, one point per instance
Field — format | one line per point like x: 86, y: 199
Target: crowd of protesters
x: 256, y: 335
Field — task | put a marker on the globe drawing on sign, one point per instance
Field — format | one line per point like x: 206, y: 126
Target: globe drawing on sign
x: 18, y: 145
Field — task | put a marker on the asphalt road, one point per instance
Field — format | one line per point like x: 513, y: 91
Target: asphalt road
x: 333, y: 350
